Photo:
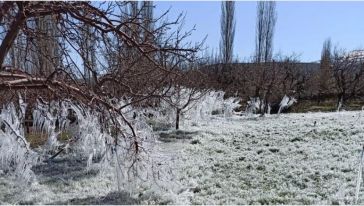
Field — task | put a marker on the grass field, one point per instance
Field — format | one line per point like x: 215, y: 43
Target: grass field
x: 301, y: 158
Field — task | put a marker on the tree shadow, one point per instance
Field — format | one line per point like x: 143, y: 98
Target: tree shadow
x: 113, y: 198
x: 63, y: 169
x: 175, y: 135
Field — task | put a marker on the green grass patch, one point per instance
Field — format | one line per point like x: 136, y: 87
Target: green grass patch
x: 37, y: 139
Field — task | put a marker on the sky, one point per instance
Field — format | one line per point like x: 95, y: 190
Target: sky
x: 301, y: 27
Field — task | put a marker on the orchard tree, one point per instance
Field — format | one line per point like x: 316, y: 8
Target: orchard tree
x: 348, y: 71
x: 83, y: 30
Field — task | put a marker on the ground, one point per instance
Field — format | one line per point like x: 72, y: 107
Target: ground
x: 310, y: 158
x: 289, y: 159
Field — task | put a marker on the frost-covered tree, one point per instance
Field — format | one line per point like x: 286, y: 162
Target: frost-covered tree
x: 182, y: 99
x: 104, y: 113
x: 286, y: 103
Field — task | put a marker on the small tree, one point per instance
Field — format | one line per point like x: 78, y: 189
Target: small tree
x: 348, y: 71
x: 186, y: 91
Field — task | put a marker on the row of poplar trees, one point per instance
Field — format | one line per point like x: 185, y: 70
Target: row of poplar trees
x: 266, y: 20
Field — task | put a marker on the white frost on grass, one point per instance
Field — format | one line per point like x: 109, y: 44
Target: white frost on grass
x: 288, y: 159
x: 275, y: 160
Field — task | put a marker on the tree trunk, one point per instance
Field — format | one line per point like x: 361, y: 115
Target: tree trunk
x: 177, y: 118
x: 340, y: 102
x: 11, y: 35
x: 257, y: 91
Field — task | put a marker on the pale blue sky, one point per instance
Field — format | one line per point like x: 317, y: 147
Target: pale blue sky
x: 301, y: 26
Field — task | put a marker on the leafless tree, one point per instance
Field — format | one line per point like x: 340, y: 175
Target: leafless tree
x: 293, y: 79
x: 348, y: 74
x: 266, y: 20
x: 147, y: 16
x: 266, y: 72
x: 227, y: 31
x: 88, y: 54
x: 325, y: 73
x: 46, y: 45
x: 75, y: 21
x: 187, y: 90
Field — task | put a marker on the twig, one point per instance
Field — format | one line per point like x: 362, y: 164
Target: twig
x: 59, y: 152
x: 17, y: 135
